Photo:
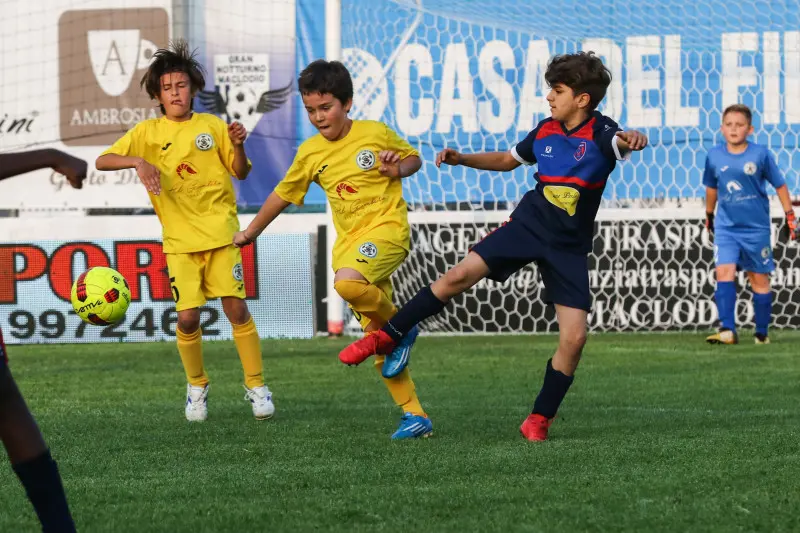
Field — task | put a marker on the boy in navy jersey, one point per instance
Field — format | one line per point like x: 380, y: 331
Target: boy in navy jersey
x: 553, y: 225
x: 735, y: 177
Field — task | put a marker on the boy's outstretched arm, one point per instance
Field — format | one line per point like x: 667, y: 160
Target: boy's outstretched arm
x: 14, y: 164
x: 631, y: 141
x: 273, y: 206
x: 502, y: 161
x: 149, y: 174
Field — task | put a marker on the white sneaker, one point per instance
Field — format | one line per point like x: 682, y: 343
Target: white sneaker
x: 261, y: 400
x: 196, y: 403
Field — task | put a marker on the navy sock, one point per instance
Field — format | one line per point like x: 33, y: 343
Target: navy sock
x: 726, y: 304
x: 554, y: 389
x: 43, y: 486
x: 762, y: 307
x: 424, y: 304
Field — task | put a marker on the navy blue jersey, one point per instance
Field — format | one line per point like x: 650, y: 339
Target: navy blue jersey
x: 741, y: 182
x: 572, y: 170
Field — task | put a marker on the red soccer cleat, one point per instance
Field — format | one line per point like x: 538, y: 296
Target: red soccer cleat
x: 535, y: 427
x: 375, y: 342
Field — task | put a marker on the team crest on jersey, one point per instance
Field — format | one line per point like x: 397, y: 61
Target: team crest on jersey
x: 365, y: 159
x: 238, y: 272
x: 765, y: 252
x: 750, y: 168
x: 204, y: 142
x: 368, y: 250
x: 565, y: 198
x: 581, y: 151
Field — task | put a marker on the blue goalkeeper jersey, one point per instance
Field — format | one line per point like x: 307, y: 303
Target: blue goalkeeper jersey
x: 741, y: 183
x: 572, y: 169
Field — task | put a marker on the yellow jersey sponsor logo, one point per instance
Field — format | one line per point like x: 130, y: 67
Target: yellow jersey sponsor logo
x: 565, y: 198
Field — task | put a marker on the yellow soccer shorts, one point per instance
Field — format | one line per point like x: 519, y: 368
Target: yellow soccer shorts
x: 196, y: 277
x: 376, y: 260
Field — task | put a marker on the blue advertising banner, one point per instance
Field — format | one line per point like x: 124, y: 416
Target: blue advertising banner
x: 469, y: 75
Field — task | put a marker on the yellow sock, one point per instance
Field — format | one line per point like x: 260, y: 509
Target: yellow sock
x: 367, y: 300
x: 402, y: 389
x: 245, y: 336
x: 190, y: 347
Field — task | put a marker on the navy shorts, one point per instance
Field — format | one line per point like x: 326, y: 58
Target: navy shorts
x: 565, y: 274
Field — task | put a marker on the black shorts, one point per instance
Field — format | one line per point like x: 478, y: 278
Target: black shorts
x: 565, y: 274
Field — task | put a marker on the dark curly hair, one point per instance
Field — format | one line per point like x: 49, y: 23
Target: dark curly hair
x: 583, y: 72
x: 326, y: 77
x: 176, y: 58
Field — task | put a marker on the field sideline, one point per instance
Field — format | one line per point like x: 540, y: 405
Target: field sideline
x: 660, y: 432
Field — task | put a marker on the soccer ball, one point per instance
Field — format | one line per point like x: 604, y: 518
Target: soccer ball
x: 100, y: 296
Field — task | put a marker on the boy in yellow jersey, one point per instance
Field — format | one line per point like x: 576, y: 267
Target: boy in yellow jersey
x: 359, y: 164
x: 186, y: 160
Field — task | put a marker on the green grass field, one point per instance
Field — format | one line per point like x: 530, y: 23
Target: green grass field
x: 659, y: 433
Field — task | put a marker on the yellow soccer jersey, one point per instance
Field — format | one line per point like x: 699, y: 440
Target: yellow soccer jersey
x: 362, y: 200
x: 197, y: 204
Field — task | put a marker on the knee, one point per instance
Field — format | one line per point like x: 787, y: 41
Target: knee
x: 236, y: 311
x: 350, y: 289
x: 572, y: 342
x: 189, y: 321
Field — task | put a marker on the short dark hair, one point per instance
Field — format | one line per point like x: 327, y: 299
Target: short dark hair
x: 583, y: 72
x: 176, y: 58
x: 739, y: 108
x: 326, y: 77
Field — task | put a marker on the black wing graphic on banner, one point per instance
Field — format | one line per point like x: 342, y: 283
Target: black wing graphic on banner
x: 272, y: 100
x: 213, y: 101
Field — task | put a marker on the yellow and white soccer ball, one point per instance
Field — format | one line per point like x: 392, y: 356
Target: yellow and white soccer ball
x: 101, y: 296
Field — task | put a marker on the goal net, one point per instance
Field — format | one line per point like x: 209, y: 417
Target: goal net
x: 469, y: 75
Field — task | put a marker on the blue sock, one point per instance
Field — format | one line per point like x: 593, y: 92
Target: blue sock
x: 762, y: 306
x: 423, y: 305
x: 554, y: 389
x: 42, y: 483
x: 726, y: 304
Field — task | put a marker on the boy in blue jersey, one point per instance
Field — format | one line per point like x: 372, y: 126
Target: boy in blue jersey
x: 575, y: 150
x: 735, y: 177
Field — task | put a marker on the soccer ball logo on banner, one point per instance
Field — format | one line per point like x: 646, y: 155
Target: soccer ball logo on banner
x: 242, y: 90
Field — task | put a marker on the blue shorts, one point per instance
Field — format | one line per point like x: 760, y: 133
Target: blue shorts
x: 751, y: 252
x: 565, y: 274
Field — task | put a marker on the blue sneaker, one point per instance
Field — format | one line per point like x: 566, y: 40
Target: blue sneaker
x: 397, y: 361
x: 413, y: 427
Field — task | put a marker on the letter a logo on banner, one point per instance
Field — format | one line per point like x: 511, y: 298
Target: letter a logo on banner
x: 115, y: 56
x: 100, y: 54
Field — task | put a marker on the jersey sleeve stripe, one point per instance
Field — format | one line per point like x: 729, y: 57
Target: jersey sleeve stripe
x: 518, y: 157
x: 617, y: 153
